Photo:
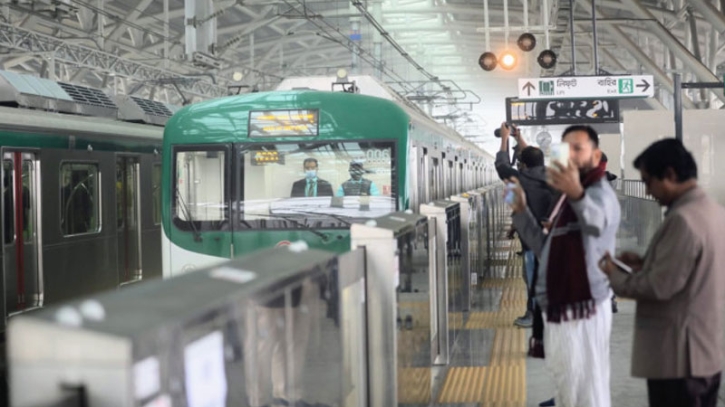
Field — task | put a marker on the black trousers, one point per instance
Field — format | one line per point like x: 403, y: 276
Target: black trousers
x: 685, y: 392
x: 538, y: 328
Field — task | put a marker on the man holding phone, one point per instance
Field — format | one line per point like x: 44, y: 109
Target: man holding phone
x: 679, y: 285
x: 571, y: 289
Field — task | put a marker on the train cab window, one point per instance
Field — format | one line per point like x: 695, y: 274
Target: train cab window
x: 79, y: 198
x: 156, y: 191
x: 323, y: 184
x: 201, y: 189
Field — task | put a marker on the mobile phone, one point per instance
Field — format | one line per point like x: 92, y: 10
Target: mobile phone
x: 621, y: 265
x: 560, y: 153
x: 510, y: 197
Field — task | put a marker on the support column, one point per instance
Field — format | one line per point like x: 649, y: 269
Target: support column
x: 200, y: 26
x: 166, y: 34
x: 251, y: 56
x: 571, y: 33
x: 51, y: 67
x: 99, y: 23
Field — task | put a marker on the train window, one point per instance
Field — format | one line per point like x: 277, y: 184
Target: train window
x: 285, y: 185
x: 156, y: 185
x: 80, y: 209
x: 201, y: 189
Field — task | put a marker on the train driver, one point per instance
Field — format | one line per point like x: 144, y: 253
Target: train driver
x: 311, y: 185
x: 357, y: 185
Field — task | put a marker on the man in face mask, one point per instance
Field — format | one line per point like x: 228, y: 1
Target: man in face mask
x: 311, y: 185
x: 357, y: 185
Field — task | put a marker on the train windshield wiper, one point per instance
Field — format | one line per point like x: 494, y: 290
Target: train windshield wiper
x: 293, y: 221
x: 329, y: 215
x: 187, y: 214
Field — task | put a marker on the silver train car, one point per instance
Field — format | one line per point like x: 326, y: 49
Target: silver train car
x: 80, y: 203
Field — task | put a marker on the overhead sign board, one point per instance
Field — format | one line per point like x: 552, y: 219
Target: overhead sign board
x: 561, y: 111
x: 586, y: 87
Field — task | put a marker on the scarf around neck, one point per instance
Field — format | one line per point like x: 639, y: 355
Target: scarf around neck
x: 567, y: 280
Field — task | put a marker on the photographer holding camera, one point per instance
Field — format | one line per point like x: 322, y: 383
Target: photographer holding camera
x: 541, y: 198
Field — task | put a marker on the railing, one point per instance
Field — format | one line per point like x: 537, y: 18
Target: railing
x: 633, y: 188
x: 641, y: 216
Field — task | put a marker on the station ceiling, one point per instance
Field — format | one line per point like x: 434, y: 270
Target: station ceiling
x: 140, y: 46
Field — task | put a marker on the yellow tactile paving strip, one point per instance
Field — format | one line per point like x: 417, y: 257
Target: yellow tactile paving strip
x: 503, y: 382
x: 414, y: 385
x: 486, y: 384
x: 509, y: 347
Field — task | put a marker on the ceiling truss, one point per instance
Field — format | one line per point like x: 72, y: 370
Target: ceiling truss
x: 139, y: 45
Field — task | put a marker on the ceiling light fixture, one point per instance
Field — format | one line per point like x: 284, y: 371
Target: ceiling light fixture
x: 487, y: 61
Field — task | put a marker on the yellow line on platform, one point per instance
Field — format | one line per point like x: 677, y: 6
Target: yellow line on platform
x: 414, y: 385
x: 503, y: 382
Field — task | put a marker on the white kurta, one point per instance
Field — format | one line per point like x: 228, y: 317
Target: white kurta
x: 577, y: 355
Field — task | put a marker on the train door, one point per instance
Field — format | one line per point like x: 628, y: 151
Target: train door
x: 128, y: 215
x: 22, y: 264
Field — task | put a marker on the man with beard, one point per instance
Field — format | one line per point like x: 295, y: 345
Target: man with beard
x: 571, y: 289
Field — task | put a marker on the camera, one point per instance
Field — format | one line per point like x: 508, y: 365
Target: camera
x: 514, y: 131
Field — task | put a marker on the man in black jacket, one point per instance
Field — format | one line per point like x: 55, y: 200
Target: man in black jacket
x: 540, y: 199
x: 311, y: 185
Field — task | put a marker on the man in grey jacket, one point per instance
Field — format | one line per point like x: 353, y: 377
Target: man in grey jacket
x: 571, y: 289
x: 679, y: 285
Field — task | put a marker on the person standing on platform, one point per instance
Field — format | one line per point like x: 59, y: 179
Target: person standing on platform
x: 311, y: 185
x: 571, y: 289
x: 540, y: 200
x: 679, y: 285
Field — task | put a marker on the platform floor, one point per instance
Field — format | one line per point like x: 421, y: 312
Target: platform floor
x: 489, y: 365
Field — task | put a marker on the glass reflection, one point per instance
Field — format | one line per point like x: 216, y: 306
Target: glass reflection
x: 455, y: 276
x: 414, y: 319
x: 292, y: 347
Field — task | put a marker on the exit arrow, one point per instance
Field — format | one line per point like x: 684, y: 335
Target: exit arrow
x: 529, y: 87
x: 645, y: 85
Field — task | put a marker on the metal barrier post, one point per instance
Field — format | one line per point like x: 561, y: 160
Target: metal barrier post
x: 400, y: 291
x: 448, y: 272
x: 467, y: 202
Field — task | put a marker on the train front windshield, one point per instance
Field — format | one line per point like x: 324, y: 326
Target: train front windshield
x: 283, y: 185
x: 319, y: 185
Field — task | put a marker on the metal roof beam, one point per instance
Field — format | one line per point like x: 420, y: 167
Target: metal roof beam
x: 133, y: 15
x: 714, y: 16
x: 27, y: 41
x: 702, y: 72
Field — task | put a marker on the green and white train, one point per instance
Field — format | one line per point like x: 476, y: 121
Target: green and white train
x: 234, y: 177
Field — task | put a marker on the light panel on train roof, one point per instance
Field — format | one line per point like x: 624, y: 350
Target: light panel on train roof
x: 283, y: 123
